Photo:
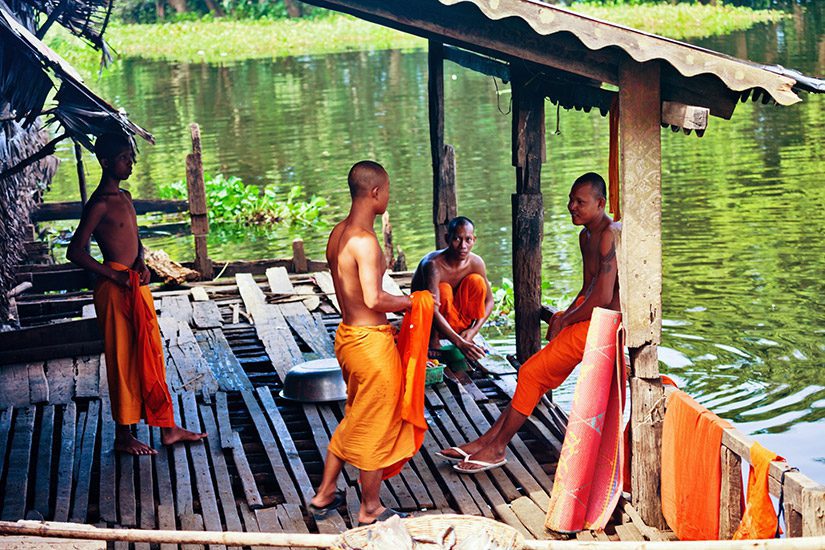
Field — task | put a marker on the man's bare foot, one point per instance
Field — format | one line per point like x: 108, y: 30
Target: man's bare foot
x: 170, y: 436
x: 125, y: 442
x: 486, y: 456
x: 468, y: 448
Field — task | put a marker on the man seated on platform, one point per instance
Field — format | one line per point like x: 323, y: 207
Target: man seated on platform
x: 376, y: 435
x: 458, y: 280
x: 124, y: 305
x: 567, y: 333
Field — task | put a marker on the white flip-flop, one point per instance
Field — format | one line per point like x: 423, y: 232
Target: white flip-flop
x: 464, y: 455
x: 484, y: 466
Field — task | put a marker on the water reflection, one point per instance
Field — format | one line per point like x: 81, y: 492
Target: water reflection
x: 744, y: 298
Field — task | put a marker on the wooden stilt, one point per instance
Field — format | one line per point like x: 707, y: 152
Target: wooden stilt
x: 640, y: 275
x: 444, y: 195
x: 528, y: 212
x: 197, y: 204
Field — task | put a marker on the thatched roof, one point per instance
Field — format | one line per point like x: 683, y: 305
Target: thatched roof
x: 86, y: 19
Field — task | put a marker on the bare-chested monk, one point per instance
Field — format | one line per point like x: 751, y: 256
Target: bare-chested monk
x: 458, y: 280
x: 567, y: 333
x: 125, y: 308
x: 372, y: 436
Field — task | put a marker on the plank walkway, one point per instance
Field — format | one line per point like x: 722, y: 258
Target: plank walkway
x: 228, y: 346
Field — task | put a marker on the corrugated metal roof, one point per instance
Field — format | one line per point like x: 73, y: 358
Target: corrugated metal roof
x: 595, y: 34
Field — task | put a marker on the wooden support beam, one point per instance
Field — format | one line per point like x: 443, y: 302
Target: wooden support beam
x: 197, y: 204
x: 443, y: 156
x: 528, y: 211
x: 478, y: 63
x: 730, y: 499
x: 66, y: 339
x: 73, y: 209
x: 640, y: 274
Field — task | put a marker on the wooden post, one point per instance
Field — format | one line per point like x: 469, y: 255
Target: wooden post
x: 197, y: 204
x: 528, y: 211
x: 300, y: 264
x: 443, y: 156
x: 386, y: 230
x: 81, y: 174
x: 640, y: 275
x: 730, y: 499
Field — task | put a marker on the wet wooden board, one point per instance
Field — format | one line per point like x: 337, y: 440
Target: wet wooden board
x: 250, y: 487
x: 202, y: 468
x: 225, y: 367
x: 87, y: 376
x: 84, y: 469
x: 127, y: 502
x: 5, y: 432
x: 279, y: 282
x: 324, y: 281
x: 199, y: 294
x: 38, y: 386
x: 65, y: 464
x: 187, y: 358
x: 319, y: 434
x: 224, y: 483
x: 206, y: 315
x: 42, y: 481
x: 166, y: 502
x: 177, y: 307
x: 14, y: 501
x: 14, y: 379
x: 303, y: 323
x: 530, y: 515
x: 107, y: 488
x: 60, y: 376
x: 147, y: 495
x: 224, y: 425
x: 183, y: 483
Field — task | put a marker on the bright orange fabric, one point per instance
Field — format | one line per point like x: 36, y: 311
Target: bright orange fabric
x: 551, y: 366
x: 466, y: 304
x: 135, y: 368
x: 691, y: 468
x: 383, y: 424
x: 759, y: 520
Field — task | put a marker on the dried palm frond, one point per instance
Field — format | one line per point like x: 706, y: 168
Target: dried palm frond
x: 86, y: 19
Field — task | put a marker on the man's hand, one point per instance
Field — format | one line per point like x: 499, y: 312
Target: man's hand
x: 555, y: 327
x: 121, y: 278
x: 469, y: 333
x: 143, y: 272
x: 469, y: 349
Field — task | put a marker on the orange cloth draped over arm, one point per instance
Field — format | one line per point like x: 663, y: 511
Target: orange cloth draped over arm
x: 759, y: 520
x: 383, y: 424
x: 691, y: 468
x: 466, y: 304
x: 134, y: 354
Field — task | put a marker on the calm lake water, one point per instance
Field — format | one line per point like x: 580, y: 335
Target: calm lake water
x: 744, y: 297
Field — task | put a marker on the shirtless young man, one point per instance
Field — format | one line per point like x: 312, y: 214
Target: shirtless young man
x: 371, y: 436
x: 134, y: 359
x: 567, y: 333
x: 458, y: 280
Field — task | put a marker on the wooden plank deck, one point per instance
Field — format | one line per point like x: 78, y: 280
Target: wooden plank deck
x: 228, y: 346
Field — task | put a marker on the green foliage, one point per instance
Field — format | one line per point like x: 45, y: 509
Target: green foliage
x: 229, y: 200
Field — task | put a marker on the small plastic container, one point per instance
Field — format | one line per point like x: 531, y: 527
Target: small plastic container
x: 434, y: 373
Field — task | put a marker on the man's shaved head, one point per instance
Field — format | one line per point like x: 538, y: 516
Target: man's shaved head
x: 596, y: 183
x: 365, y: 175
x: 455, y: 223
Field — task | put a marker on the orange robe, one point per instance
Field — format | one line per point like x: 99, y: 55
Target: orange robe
x: 691, y: 468
x: 760, y: 519
x: 383, y: 424
x: 551, y: 366
x: 464, y: 305
x: 134, y: 355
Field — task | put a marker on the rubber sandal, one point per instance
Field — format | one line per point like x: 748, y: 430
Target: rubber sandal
x: 384, y: 516
x: 484, y: 466
x: 320, y: 512
x: 464, y: 455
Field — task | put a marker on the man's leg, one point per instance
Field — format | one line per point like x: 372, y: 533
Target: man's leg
x: 125, y: 442
x: 329, y: 482
x: 371, y: 506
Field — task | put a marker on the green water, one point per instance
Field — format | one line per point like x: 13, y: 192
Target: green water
x: 744, y: 298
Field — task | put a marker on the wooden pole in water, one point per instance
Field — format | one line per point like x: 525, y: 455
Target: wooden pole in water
x: 197, y: 204
x: 528, y: 211
x: 640, y: 275
x: 443, y: 156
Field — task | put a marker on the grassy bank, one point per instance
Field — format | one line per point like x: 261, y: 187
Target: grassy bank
x: 216, y: 41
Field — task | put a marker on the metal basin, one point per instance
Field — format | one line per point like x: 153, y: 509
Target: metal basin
x: 315, y: 382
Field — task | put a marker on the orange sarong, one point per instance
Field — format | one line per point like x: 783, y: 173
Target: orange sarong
x: 134, y: 355
x: 464, y: 305
x: 691, y: 468
x: 760, y: 519
x: 383, y: 424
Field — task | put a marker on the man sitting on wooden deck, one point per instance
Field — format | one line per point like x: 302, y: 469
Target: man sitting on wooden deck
x: 458, y: 279
x: 125, y: 308
x: 383, y: 424
x: 567, y: 332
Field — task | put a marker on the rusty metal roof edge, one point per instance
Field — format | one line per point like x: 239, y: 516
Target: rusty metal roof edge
x: 546, y: 19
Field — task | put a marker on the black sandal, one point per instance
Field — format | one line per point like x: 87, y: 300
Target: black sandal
x: 320, y: 512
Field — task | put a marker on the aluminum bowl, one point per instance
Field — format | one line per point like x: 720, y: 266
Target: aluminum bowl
x: 315, y: 382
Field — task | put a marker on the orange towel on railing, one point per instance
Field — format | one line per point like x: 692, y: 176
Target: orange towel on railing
x: 691, y: 468
x: 466, y: 304
x: 135, y: 368
x: 383, y: 424
x: 759, y: 520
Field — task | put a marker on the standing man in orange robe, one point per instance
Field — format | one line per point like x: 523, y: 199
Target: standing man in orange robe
x: 567, y: 333
x: 125, y: 308
x: 379, y: 431
x: 458, y: 280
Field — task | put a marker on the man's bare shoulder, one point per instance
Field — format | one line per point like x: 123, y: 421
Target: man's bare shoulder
x: 477, y: 264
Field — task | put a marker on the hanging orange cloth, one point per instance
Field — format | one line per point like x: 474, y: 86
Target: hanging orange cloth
x: 691, y: 468
x: 613, y: 162
x: 383, y: 424
x: 467, y: 304
x: 759, y: 520
x: 134, y: 355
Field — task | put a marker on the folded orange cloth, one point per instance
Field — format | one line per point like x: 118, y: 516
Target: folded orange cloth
x: 135, y: 368
x: 760, y: 519
x: 691, y: 468
x: 466, y: 304
x: 383, y: 424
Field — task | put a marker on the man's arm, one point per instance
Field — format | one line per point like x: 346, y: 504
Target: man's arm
x: 600, y: 291
x: 140, y: 265
x: 432, y: 279
x: 369, y: 258
x: 76, y: 253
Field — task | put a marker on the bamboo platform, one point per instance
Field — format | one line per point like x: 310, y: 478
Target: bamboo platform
x: 228, y: 347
